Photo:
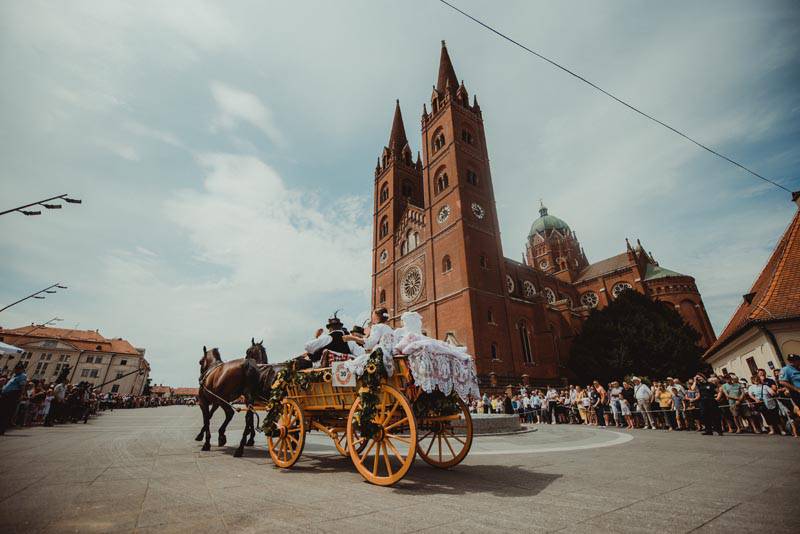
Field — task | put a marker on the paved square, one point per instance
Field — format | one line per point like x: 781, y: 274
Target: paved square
x: 140, y: 470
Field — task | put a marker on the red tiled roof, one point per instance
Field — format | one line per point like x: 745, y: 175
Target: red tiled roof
x: 88, y: 340
x: 608, y: 265
x: 187, y: 392
x: 160, y: 389
x: 776, y: 291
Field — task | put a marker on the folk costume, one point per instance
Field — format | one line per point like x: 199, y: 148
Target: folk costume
x: 382, y: 336
x: 332, y: 341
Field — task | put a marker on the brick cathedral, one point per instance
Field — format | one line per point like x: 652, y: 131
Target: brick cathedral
x: 437, y: 251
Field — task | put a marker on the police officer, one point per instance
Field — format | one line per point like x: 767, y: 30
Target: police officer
x: 712, y: 417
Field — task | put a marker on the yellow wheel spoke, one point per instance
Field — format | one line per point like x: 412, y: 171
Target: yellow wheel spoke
x: 463, y: 442
x: 386, y: 459
x: 395, y: 451
x: 419, y: 440
x: 293, y: 431
x: 401, y: 438
x: 401, y: 421
x: 366, y: 451
x: 447, y: 442
x: 439, y: 436
x: 430, y: 447
x: 375, y: 463
x: 293, y: 439
x: 391, y: 412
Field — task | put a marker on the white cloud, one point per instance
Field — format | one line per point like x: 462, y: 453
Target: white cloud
x: 122, y: 150
x: 152, y: 133
x: 236, y: 106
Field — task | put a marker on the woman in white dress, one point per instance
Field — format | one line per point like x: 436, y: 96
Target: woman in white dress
x: 378, y: 335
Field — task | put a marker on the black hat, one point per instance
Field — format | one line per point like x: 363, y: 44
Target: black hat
x: 793, y: 357
x: 357, y: 330
x: 334, y: 323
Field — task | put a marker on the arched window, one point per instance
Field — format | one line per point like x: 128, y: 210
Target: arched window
x: 438, y: 140
x: 526, y: 342
x: 483, y: 261
x: 382, y: 297
x: 410, y: 243
x: 442, y: 182
x: 466, y: 136
x: 490, y: 316
x: 384, y: 192
x: 383, y: 229
x: 408, y: 189
x: 447, y: 265
x: 472, y: 177
x: 494, y: 351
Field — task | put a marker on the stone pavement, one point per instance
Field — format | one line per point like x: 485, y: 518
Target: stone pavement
x: 140, y: 470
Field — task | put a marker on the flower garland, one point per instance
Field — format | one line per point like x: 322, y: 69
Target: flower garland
x: 288, y: 376
x: 436, y: 404
x: 374, y: 373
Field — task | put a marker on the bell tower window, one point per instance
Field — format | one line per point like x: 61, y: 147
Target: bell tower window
x: 472, y: 177
x: 526, y: 342
x: 442, y: 182
x: 384, y: 196
x: 447, y: 265
x: 408, y: 189
x: 438, y: 140
x: 466, y: 136
x: 382, y: 297
x: 384, y: 227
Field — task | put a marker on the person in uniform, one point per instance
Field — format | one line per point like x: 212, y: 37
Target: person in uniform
x: 709, y: 407
x: 332, y: 341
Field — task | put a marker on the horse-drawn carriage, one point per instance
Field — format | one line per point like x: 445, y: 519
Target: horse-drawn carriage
x: 381, y: 423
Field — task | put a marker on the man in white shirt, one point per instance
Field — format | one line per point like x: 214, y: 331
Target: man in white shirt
x: 643, y: 396
x: 332, y: 341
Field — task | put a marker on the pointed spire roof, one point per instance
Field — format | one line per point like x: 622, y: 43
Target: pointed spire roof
x: 397, y: 139
x: 447, y: 75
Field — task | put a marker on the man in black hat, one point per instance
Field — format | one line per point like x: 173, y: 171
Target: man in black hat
x: 9, y: 397
x: 709, y: 404
x: 333, y: 341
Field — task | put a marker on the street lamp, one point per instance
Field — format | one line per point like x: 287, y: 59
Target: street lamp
x: 37, y: 295
x: 44, y: 203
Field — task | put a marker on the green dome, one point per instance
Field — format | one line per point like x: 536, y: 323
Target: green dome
x: 547, y: 222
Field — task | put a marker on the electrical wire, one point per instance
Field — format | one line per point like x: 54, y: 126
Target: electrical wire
x: 627, y: 105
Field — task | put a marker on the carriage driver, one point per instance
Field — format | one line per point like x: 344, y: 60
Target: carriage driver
x: 332, y: 341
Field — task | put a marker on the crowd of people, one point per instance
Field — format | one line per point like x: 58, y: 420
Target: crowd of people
x: 714, y: 403
x: 26, y: 402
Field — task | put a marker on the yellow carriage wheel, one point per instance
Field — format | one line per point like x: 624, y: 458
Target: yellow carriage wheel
x: 445, y: 442
x: 285, y: 448
x: 384, y: 458
x: 340, y: 441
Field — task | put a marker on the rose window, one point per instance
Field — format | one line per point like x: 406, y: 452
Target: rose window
x: 619, y: 287
x: 544, y: 264
x: 589, y: 299
x: 411, y: 285
x: 550, y: 295
x: 509, y: 284
x: 528, y: 289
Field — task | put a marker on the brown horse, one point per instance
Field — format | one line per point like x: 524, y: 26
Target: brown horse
x: 221, y: 383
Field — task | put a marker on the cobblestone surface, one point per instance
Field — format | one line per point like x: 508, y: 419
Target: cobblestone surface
x: 141, y: 470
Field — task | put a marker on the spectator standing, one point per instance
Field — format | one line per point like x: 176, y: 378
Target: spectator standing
x: 790, y: 378
x: 736, y: 394
x: 552, y: 401
x: 664, y: 398
x: 615, y: 393
x: 690, y: 407
x: 598, y: 401
x: 643, y: 395
x: 709, y: 397
x: 10, y: 395
x: 487, y: 404
x: 763, y: 395
x: 536, y: 406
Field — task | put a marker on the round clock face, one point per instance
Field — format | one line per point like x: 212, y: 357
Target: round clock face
x: 509, y: 284
x: 444, y: 213
x: 411, y: 284
x: 478, y: 210
x: 384, y: 256
x: 544, y: 264
x: 528, y: 289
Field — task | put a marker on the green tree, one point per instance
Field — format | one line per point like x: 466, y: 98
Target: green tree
x: 635, y: 335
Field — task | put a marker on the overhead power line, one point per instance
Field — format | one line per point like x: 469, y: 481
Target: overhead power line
x: 627, y: 105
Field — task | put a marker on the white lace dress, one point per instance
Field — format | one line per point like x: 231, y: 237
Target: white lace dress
x: 380, y: 336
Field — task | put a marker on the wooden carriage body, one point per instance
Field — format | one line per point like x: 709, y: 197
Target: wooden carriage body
x: 385, y: 457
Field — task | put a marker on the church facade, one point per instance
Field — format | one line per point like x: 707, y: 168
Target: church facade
x: 437, y: 251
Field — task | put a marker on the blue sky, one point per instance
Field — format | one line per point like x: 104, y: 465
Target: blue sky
x: 224, y: 151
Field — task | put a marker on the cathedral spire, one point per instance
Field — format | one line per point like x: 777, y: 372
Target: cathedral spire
x: 447, y: 75
x: 397, y: 139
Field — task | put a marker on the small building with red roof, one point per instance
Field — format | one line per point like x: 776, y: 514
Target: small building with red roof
x: 765, y: 328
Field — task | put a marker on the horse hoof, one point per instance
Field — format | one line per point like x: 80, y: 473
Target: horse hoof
x: 206, y: 447
x: 199, y: 438
x: 222, y: 441
x: 251, y: 443
x: 238, y: 453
